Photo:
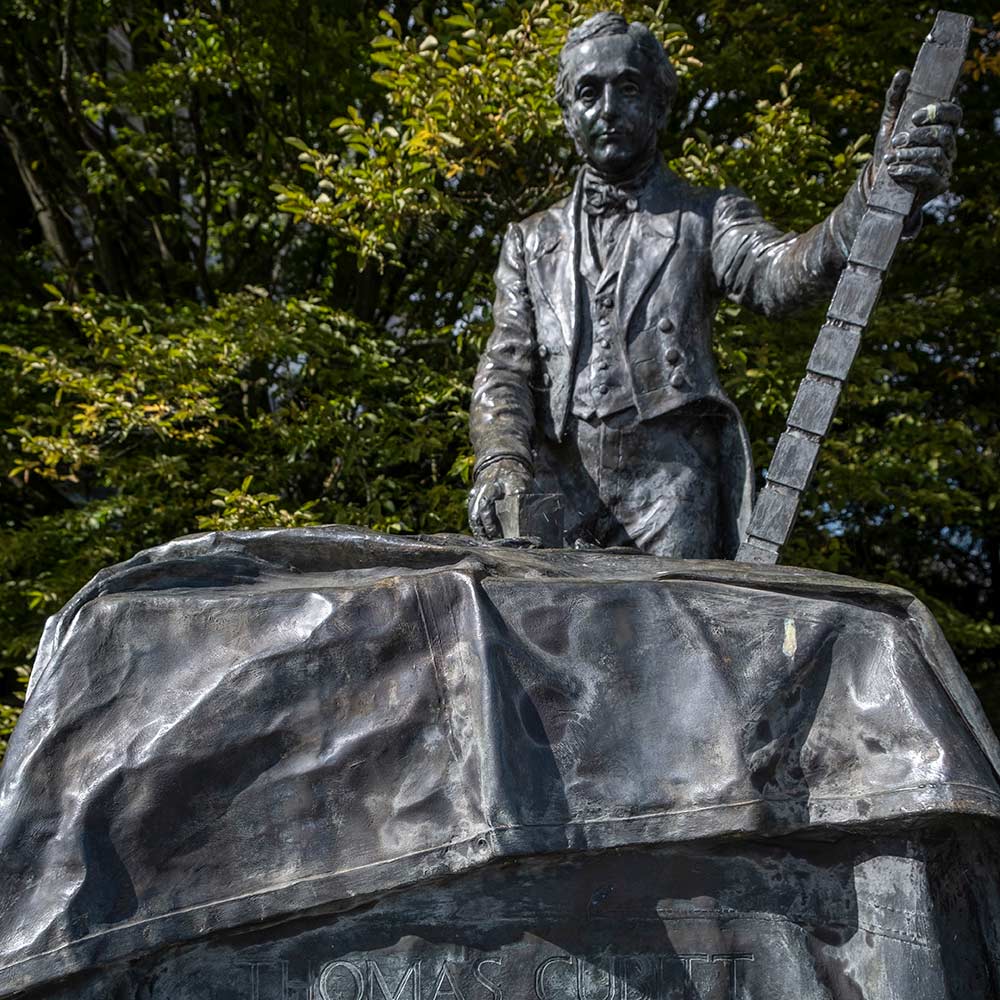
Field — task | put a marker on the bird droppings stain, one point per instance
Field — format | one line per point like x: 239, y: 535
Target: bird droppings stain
x: 790, y: 644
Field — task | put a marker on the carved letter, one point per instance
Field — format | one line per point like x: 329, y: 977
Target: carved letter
x: 612, y: 989
x: 255, y: 969
x: 540, y: 973
x: 375, y: 977
x: 495, y: 991
x: 327, y: 972
x: 677, y: 981
x: 734, y: 969
x: 689, y: 961
x: 641, y: 965
x: 452, y: 991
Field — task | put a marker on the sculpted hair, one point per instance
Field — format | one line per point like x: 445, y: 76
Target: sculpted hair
x: 645, y: 41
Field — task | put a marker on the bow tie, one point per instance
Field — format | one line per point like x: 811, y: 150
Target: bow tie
x: 601, y: 198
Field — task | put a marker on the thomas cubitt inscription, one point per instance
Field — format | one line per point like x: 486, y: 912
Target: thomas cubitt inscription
x: 673, y: 976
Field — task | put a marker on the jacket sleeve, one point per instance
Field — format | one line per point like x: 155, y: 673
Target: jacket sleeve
x: 502, y: 411
x: 757, y: 265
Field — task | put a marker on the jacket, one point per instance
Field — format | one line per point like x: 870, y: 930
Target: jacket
x: 686, y: 249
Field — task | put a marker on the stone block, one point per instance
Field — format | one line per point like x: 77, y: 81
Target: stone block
x: 937, y: 70
x: 877, y: 239
x: 774, y: 514
x: 814, y: 406
x: 533, y: 515
x: 834, y: 351
x: 889, y: 195
x: 794, y: 461
x: 856, y: 294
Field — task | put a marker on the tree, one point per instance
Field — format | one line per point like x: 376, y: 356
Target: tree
x: 248, y: 253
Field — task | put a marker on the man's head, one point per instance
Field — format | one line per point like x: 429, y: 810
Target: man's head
x: 615, y: 88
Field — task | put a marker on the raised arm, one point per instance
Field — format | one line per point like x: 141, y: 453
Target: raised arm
x: 770, y: 271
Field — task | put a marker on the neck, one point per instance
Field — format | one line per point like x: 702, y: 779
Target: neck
x: 636, y: 172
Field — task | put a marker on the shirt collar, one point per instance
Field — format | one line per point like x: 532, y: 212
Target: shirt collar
x: 602, y: 196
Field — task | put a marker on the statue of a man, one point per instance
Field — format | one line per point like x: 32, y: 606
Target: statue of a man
x: 598, y: 381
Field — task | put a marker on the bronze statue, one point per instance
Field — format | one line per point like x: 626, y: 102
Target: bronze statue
x: 598, y: 381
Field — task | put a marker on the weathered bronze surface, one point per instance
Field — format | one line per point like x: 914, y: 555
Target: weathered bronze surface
x: 598, y: 381
x: 797, y: 919
x: 723, y: 780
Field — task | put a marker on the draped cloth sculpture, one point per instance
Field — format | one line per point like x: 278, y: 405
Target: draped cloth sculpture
x: 304, y: 759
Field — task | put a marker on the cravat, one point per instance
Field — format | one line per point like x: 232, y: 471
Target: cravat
x: 602, y: 198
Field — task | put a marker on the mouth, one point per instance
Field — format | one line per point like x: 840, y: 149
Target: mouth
x: 609, y: 136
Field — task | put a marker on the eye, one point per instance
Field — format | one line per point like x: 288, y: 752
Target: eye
x: 586, y: 95
x: 630, y: 89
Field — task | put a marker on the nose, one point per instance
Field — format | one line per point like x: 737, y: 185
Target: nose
x: 609, y: 105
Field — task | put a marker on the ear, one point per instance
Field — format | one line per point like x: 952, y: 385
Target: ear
x: 569, y: 121
x: 664, y: 115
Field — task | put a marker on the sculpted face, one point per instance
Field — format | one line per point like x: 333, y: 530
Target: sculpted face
x: 612, y: 112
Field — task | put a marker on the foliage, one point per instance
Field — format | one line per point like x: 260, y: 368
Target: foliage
x: 247, y: 271
x: 469, y: 136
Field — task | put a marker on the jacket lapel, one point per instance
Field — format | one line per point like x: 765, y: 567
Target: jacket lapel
x: 652, y: 235
x: 556, y: 270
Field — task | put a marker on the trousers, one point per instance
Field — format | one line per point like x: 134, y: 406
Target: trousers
x: 651, y: 485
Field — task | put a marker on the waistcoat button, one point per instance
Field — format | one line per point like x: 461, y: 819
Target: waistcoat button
x: 665, y: 325
x: 673, y: 355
